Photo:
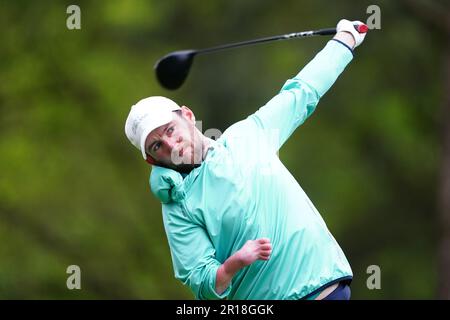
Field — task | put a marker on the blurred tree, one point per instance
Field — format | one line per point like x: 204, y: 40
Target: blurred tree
x: 73, y: 190
x: 436, y: 16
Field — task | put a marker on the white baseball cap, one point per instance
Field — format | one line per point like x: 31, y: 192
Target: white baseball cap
x: 147, y: 115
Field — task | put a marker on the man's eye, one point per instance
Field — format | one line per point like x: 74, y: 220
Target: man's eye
x: 156, y: 146
x: 170, y: 130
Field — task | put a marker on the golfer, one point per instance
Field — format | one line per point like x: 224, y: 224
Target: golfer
x: 239, y: 225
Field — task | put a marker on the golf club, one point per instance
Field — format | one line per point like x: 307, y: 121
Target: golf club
x: 172, y: 69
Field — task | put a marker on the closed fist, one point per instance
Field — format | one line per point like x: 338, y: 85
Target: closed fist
x: 252, y: 250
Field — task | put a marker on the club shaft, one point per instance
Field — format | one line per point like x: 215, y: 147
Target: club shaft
x: 321, y: 32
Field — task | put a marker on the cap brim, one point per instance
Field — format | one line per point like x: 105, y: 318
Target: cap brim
x: 143, y: 139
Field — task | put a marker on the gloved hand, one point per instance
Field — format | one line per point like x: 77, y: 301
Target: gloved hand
x: 348, y: 26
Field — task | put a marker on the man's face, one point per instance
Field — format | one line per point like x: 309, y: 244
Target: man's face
x: 177, y: 144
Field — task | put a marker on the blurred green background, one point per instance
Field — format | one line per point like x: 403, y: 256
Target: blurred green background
x: 73, y: 190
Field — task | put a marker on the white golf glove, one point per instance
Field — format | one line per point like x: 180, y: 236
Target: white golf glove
x: 346, y: 25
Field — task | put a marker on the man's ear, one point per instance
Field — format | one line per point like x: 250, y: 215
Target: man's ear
x: 188, y: 114
x: 150, y: 160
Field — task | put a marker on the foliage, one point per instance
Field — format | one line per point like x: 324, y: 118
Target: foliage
x: 74, y: 191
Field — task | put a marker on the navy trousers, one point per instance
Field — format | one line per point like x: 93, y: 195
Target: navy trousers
x: 342, y: 292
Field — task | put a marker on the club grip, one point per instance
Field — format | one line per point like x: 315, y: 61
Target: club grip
x: 361, y: 28
x: 326, y: 32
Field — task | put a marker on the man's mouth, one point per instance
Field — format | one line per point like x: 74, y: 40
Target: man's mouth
x: 180, y: 153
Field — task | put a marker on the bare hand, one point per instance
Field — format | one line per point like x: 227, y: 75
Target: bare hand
x: 259, y: 249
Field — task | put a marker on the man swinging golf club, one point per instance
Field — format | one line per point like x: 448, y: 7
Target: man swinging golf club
x: 239, y: 225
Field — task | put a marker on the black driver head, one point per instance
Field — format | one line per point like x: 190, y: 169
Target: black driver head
x: 172, y: 69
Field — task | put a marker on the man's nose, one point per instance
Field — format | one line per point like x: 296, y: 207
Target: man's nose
x: 173, y: 141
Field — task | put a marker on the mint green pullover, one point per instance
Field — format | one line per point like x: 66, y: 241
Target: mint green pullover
x: 242, y: 191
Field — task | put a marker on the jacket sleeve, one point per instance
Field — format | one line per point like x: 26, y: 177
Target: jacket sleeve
x: 299, y: 96
x: 193, y: 255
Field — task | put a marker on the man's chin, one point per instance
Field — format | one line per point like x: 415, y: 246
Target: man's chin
x: 186, y: 168
x: 188, y: 163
